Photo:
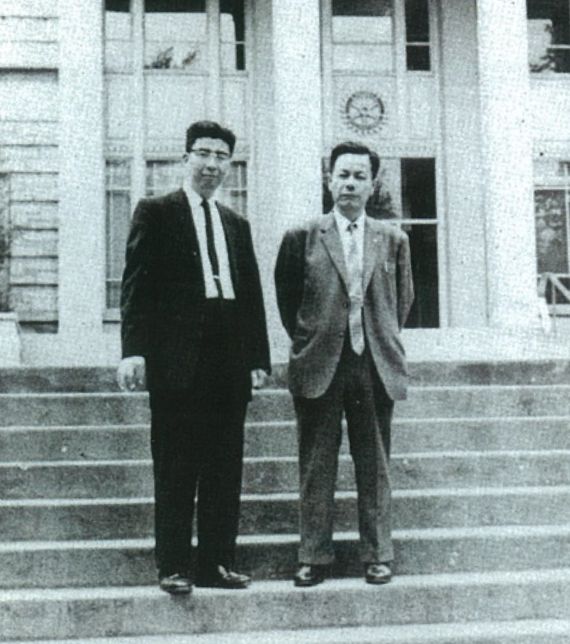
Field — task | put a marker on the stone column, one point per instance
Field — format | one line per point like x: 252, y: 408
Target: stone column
x: 295, y: 152
x: 82, y: 182
x: 507, y: 174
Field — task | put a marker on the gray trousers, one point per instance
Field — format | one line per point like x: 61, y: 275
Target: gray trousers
x: 357, y: 392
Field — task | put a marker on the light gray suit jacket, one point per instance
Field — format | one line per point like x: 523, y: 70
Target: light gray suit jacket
x: 312, y: 295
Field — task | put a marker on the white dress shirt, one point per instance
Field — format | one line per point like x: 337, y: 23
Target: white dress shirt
x: 346, y: 237
x: 195, y: 201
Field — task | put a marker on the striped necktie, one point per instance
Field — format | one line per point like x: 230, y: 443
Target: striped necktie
x: 354, y: 267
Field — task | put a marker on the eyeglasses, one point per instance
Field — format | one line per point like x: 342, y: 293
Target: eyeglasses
x: 204, y: 153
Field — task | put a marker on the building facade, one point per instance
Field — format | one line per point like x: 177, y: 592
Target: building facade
x: 466, y: 103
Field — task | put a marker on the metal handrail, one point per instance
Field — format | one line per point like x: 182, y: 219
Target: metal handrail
x: 558, y: 288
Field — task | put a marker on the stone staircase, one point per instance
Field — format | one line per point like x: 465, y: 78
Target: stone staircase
x: 481, y: 473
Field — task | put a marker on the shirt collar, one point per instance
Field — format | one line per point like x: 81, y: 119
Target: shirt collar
x: 342, y: 222
x: 194, y: 199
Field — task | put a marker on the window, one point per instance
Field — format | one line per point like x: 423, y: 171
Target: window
x: 363, y: 35
x: 5, y: 231
x: 118, y: 36
x: 552, y: 215
x: 175, y: 35
x: 232, y: 35
x: 167, y: 64
x: 417, y: 35
x: 549, y: 35
x: 118, y: 210
x: 552, y: 219
x: 419, y: 219
x: 406, y: 194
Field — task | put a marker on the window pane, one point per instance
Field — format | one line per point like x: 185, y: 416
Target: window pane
x: 363, y: 8
x: 118, y: 175
x: 118, y: 36
x: 369, y: 21
x: 118, y: 217
x: 175, y: 6
x: 551, y: 172
x: 163, y: 177
x: 5, y: 226
x: 175, y: 34
x: 232, y: 27
x: 234, y: 190
x: 551, y: 17
x: 419, y: 202
x: 423, y: 249
x: 418, y: 58
x: 374, y: 58
x: 417, y: 21
x: 548, y: 35
x: 117, y: 5
x: 418, y: 189
x: 551, y: 231
x: 233, y: 56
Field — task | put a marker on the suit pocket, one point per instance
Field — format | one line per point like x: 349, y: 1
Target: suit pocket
x: 389, y: 267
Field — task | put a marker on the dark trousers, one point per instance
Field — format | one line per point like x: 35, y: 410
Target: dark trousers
x: 197, y: 449
x: 357, y: 391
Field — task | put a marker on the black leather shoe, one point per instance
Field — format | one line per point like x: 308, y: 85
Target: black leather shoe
x: 223, y: 577
x: 377, y: 573
x: 176, y: 584
x: 309, y: 575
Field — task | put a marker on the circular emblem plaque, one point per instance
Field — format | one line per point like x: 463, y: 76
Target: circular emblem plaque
x: 364, y: 112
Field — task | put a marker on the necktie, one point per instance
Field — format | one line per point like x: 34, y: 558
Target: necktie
x: 354, y: 267
x: 212, y: 247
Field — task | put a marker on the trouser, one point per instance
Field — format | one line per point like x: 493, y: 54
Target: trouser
x: 357, y: 391
x: 197, y: 450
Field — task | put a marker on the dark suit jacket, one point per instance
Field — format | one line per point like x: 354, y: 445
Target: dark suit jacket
x: 312, y: 295
x: 163, y: 291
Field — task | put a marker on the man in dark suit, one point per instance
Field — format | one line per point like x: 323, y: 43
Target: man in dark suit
x: 344, y: 290
x: 193, y: 327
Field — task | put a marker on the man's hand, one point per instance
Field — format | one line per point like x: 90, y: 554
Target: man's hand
x: 131, y: 373
x: 258, y: 378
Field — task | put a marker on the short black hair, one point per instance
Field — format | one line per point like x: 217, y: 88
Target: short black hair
x: 209, y: 130
x: 351, y: 147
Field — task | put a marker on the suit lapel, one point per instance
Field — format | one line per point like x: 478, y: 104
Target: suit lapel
x: 371, y: 251
x: 184, y: 213
x: 331, y: 239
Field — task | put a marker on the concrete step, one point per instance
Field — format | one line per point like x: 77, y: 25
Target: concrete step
x: 526, y: 631
x: 130, y: 562
x: 279, y: 438
x: 275, y: 404
x: 60, y: 519
x: 434, y: 599
x: 529, y: 372
x: 274, y: 474
x: 103, y: 379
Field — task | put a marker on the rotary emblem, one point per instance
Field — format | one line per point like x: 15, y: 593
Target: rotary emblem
x: 364, y: 112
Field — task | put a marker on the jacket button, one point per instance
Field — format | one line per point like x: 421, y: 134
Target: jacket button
x: 341, y: 334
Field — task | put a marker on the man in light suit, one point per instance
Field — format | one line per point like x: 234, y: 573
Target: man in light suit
x: 193, y: 327
x: 344, y: 290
